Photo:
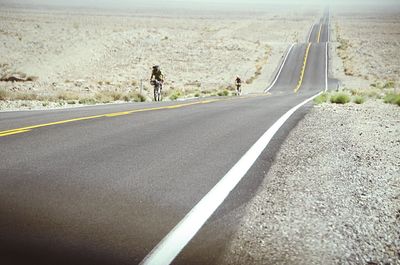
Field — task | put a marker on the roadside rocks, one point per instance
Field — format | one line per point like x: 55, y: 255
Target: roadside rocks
x: 333, y: 195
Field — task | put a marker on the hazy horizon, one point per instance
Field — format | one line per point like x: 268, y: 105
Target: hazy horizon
x: 199, y: 4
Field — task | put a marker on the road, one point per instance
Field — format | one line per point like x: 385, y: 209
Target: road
x: 105, y: 184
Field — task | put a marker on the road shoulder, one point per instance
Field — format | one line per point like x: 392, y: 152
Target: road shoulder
x: 332, y: 196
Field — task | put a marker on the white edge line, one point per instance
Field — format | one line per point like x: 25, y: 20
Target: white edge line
x: 173, y: 243
x: 280, y: 69
x: 326, y: 66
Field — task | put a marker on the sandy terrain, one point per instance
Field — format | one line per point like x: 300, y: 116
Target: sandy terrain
x: 332, y: 197
x: 366, y: 47
x: 88, y: 51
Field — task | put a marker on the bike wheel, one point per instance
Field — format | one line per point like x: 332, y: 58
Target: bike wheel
x: 157, y: 93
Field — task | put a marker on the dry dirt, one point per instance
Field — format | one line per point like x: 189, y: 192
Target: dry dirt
x: 331, y: 198
x: 366, y: 47
x: 88, y: 51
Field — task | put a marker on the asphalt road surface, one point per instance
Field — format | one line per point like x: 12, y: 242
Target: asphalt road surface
x: 106, y: 189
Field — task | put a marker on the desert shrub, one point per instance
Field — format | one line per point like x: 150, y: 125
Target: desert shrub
x: 64, y: 95
x: 340, y: 98
x: 71, y: 102
x: 389, y: 84
x: 134, y: 96
x: 225, y: 92
x: 344, y: 44
x: 44, y: 98
x: 87, y: 101
x: 348, y: 71
x: 139, y: 97
x: 25, y: 96
x: 102, y: 97
x: 116, y: 95
x: 109, y: 96
x: 358, y: 99
x: 175, y: 95
x: 220, y: 93
x: 321, y: 98
x: 4, y: 94
x: 392, y: 98
x: 45, y: 104
x: 197, y: 95
x: 371, y: 93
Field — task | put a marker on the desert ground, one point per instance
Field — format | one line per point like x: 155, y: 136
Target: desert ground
x: 366, y: 47
x: 74, y: 54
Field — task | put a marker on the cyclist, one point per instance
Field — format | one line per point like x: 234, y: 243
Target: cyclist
x: 157, y: 79
x: 238, y: 83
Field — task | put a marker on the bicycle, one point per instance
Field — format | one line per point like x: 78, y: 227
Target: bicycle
x: 238, y: 90
x: 157, y: 89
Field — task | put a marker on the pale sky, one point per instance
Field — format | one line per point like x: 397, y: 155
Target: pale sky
x: 199, y: 3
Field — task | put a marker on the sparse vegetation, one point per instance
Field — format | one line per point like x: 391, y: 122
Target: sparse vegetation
x: 358, y: 99
x: 392, y: 98
x: 102, y: 97
x: 115, y: 95
x: 25, y: 96
x: 66, y: 95
x: 137, y: 97
x: 175, y: 95
x: 389, y: 84
x: 370, y: 93
x: 4, y: 94
x: 340, y: 98
x: 321, y: 98
x: 87, y: 101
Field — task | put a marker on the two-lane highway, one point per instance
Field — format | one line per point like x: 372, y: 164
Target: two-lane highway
x: 106, y: 184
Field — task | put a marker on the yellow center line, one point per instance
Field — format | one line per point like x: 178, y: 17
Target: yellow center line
x: 303, y: 68
x: 319, y: 32
x: 13, y: 132
x: 115, y: 114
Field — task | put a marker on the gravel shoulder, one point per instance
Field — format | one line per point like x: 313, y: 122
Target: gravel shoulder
x: 332, y: 195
